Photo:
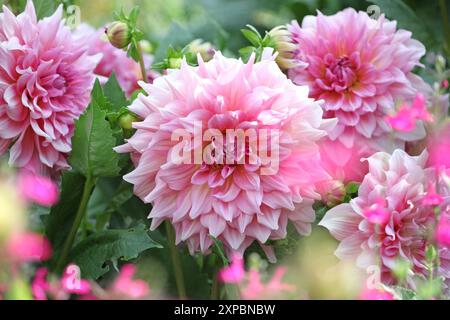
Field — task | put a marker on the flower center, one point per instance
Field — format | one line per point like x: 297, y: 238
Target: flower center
x: 341, y: 72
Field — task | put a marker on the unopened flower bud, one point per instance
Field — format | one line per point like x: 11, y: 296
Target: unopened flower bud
x: 281, y: 41
x: 126, y: 121
x: 440, y: 63
x: 205, y: 49
x: 118, y: 34
x: 175, y: 63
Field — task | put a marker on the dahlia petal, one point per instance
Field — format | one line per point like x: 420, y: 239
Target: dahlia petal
x: 341, y: 221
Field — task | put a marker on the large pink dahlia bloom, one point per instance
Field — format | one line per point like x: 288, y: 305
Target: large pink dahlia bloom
x: 45, y: 82
x: 235, y: 203
x: 396, y: 185
x: 362, y: 68
x: 114, y: 60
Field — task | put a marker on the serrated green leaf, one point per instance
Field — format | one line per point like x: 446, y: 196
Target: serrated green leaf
x: 44, y: 8
x: 99, y: 97
x: 91, y: 254
x: 114, y: 93
x: 92, y: 145
x: 62, y: 215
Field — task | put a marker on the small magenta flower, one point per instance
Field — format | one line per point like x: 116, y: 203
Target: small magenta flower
x: 40, y: 286
x: 443, y: 231
x: 119, y: 34
x: 28, y: 247
x: 407, y: 116
x: 444, y: 84
x: 235, y: 272
x: 38, y: 189
x: 256, y: 289
x: 377, y: 213
x: 376, y: 294
x: 126, y: 285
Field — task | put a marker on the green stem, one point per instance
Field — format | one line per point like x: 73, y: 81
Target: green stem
x: 178, y: 271
x: 141, y: 61
x: 68, y: 244
x: 444, y: 15
x: 215, y: 289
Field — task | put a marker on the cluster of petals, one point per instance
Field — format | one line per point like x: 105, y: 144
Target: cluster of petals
x: 401, y: 180
x: 234, y: 203
x: 46, y: 76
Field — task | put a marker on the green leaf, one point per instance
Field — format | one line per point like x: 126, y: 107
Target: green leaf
x: 92, y: 145
x: 252, y: 37
x: 99, y: 97
x: 44, y: 8
x: 92, y: 254
x: 113, y: 92
x: 62, y: 215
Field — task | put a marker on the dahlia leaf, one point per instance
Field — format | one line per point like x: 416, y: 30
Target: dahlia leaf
x: 62, y: 215
x: 99, y: 97
x: 92, y: 145
x: 44, y: 8
x: 92, y: 253
x: 114, y: 94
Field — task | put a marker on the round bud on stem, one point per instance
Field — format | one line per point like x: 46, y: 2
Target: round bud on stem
x: 119, y: 34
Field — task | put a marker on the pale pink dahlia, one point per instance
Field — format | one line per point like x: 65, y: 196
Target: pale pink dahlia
x: 362, y: 68
x: 114, y: 60
x: 236, y: 203
x: 45, y: 82
x: 403, y: 182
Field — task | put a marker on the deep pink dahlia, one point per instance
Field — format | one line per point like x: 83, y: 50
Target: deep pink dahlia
x: 403, y: 182
x: 362, y: 68
x: 45, y: 82
x: 236, y: 203
x: 115, y: 60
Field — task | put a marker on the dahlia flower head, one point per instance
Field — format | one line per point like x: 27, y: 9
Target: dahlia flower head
x: 402, y: 181
x: 45, y: 83
x: 114, y: 60
x: 234, y: 203
x: 361, y: 68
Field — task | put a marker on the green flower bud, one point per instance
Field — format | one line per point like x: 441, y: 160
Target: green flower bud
x: 126, y: 121
x: 175, y: 63
x: 119, y: 34
x: 280, y: 39
x: 205, y: 49
x: 430, y: 253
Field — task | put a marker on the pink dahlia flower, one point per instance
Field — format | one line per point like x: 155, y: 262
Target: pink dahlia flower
x: 362, y: 68
x: 114, y: 60
x: 237, y: 203
x: 402, y: 181
x: 45, y: 82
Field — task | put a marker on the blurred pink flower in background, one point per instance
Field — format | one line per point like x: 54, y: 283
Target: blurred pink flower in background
x: 443, y: 231
x: 255, y: 289
x: 127, y: 286
x: 28, y: 247
x: 45, y: 81
x: 38, y: 189
x: 406, y: 117
x: 361, y: 68
x: 72, y: 283
x: 234, y: 203
x: 402, y: 181
x: 376, y: 294
x: 40, y: 286
x: 439, y: 148
x: 114, y: 60
x: 235, y: 272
